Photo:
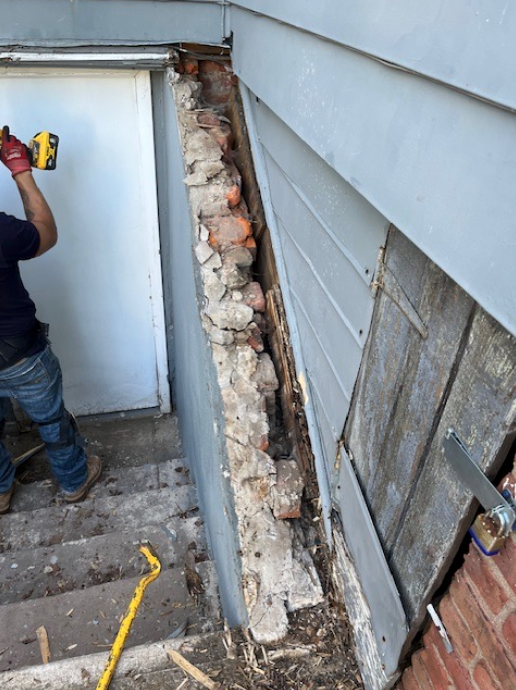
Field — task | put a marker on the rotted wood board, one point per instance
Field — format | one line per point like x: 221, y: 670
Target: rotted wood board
x: 380, y: 377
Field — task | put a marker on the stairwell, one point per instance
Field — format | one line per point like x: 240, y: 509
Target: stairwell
x: 73, y: 569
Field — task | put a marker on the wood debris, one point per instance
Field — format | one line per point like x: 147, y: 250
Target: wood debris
x: 193, y: 671
x: 44, y: 646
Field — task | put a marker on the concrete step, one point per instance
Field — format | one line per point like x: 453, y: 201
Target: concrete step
x: 51, y: 570
x: 95, y: 516
x: 113, y: 482
x: 135, y: 666
x: 167, y: 679
x: 84, y: 622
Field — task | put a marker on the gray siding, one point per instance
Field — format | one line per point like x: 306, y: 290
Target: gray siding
x: 467, y: 45
x: 330, y: 239
x: 40, y: 23
x: 437, y: 163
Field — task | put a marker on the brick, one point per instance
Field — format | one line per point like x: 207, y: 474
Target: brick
x: 223, y: 136
x: 409, y: 680
x: 212, y: 66
x: 460, y: 635
x: 486, y: 578
x: 483, y: 678
x: 487, y: 640
x: 191, y: 66
x: 509, y: 632
x: 251, y: 245
x: 228, y: 232
x: 421, y: 673
x: 460, y: 676
x: 208, y: 117
x: 252, y: 295
x: 506, y: 562
x: 233, y: 195
x: 435, y: 668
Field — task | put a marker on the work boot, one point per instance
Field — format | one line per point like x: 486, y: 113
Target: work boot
x: 94, y: 466
x: 5, y: 500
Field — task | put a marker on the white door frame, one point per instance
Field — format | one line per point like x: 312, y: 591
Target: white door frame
x: 142, y: 83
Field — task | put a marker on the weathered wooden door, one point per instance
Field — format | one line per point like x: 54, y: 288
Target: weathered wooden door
x: 434, y: 360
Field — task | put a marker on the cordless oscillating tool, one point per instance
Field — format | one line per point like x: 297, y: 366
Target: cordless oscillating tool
x: 42, y: 150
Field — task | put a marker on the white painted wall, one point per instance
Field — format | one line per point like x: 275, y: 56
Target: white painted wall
x: 100, y: 288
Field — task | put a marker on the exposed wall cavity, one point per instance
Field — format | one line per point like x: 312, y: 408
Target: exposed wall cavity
x: 278, y: 575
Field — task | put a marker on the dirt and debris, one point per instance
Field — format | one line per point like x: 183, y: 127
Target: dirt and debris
x: 316, y: 654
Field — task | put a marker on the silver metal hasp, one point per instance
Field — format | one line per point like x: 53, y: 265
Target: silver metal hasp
x: 474, y: 479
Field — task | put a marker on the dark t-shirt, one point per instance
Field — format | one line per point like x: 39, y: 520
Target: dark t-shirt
x: 19, y: 240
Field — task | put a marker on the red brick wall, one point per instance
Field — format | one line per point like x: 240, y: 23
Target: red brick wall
x: 479, y: 613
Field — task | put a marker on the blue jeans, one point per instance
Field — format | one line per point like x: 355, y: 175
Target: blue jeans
x: 36, y: 383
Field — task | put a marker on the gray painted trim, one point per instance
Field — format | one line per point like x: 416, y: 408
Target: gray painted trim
x: 196, y: 389
x: 469, y: 46
x: 439, y: 165
x: 387, y: 615
x: 313, y: 425
x: 117, y: 22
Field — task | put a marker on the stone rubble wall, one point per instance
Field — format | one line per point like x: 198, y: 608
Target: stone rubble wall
x: 278, y: 573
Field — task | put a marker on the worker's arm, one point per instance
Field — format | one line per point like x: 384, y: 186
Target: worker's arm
x: 37, y: 211
x: 13, y: 155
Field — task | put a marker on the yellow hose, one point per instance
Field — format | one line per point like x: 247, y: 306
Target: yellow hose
x: 125, y: 626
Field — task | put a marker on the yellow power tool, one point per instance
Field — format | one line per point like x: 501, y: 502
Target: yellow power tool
x: 42, y: 150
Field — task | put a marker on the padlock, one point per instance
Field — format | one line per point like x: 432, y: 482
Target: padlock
x: 508, y: 489
x: 490, y: 531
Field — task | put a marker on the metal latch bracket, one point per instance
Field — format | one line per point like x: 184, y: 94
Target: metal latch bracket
x: 474, y: 479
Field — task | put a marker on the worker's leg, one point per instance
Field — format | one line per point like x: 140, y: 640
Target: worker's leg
x: 6, y: 466
x: 36, y: 383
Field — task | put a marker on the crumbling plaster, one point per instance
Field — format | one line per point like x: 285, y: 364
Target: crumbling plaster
x: 278, y: 575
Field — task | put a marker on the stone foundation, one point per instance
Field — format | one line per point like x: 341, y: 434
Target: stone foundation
x: 278, y: 574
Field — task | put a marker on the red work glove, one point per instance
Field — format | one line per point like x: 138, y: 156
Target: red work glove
x: 13, y: 153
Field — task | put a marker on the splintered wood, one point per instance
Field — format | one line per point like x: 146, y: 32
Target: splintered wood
x: 193, y: 671
x: 44, y: 647
x: 293, y: 414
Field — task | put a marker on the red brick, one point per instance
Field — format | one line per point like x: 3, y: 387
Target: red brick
x: 253, y: 296
x: 460, y: 676
x: 435, y: 668
x: 228, y: 231
x: 241, y: 210
x: 191, y: 66
x: 487, y: 640
x: 212, y: 66
x: 223, y: 136
x: 421, y: 673
x: 409, y: 680
x: 233, y: 195
x: 483, y: 678
x: 251, y: 245
x: 506, y: 562
x: 461, y: 638
x: 509, y: 632
x: 486, y: 578
x: 208, y: 117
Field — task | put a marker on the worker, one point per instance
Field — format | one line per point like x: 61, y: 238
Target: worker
x: 29, y: 370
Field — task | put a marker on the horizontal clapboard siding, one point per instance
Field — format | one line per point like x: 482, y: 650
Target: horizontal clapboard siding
x: 330, y: 239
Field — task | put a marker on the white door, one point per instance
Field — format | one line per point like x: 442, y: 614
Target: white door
x: 100, y: 288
